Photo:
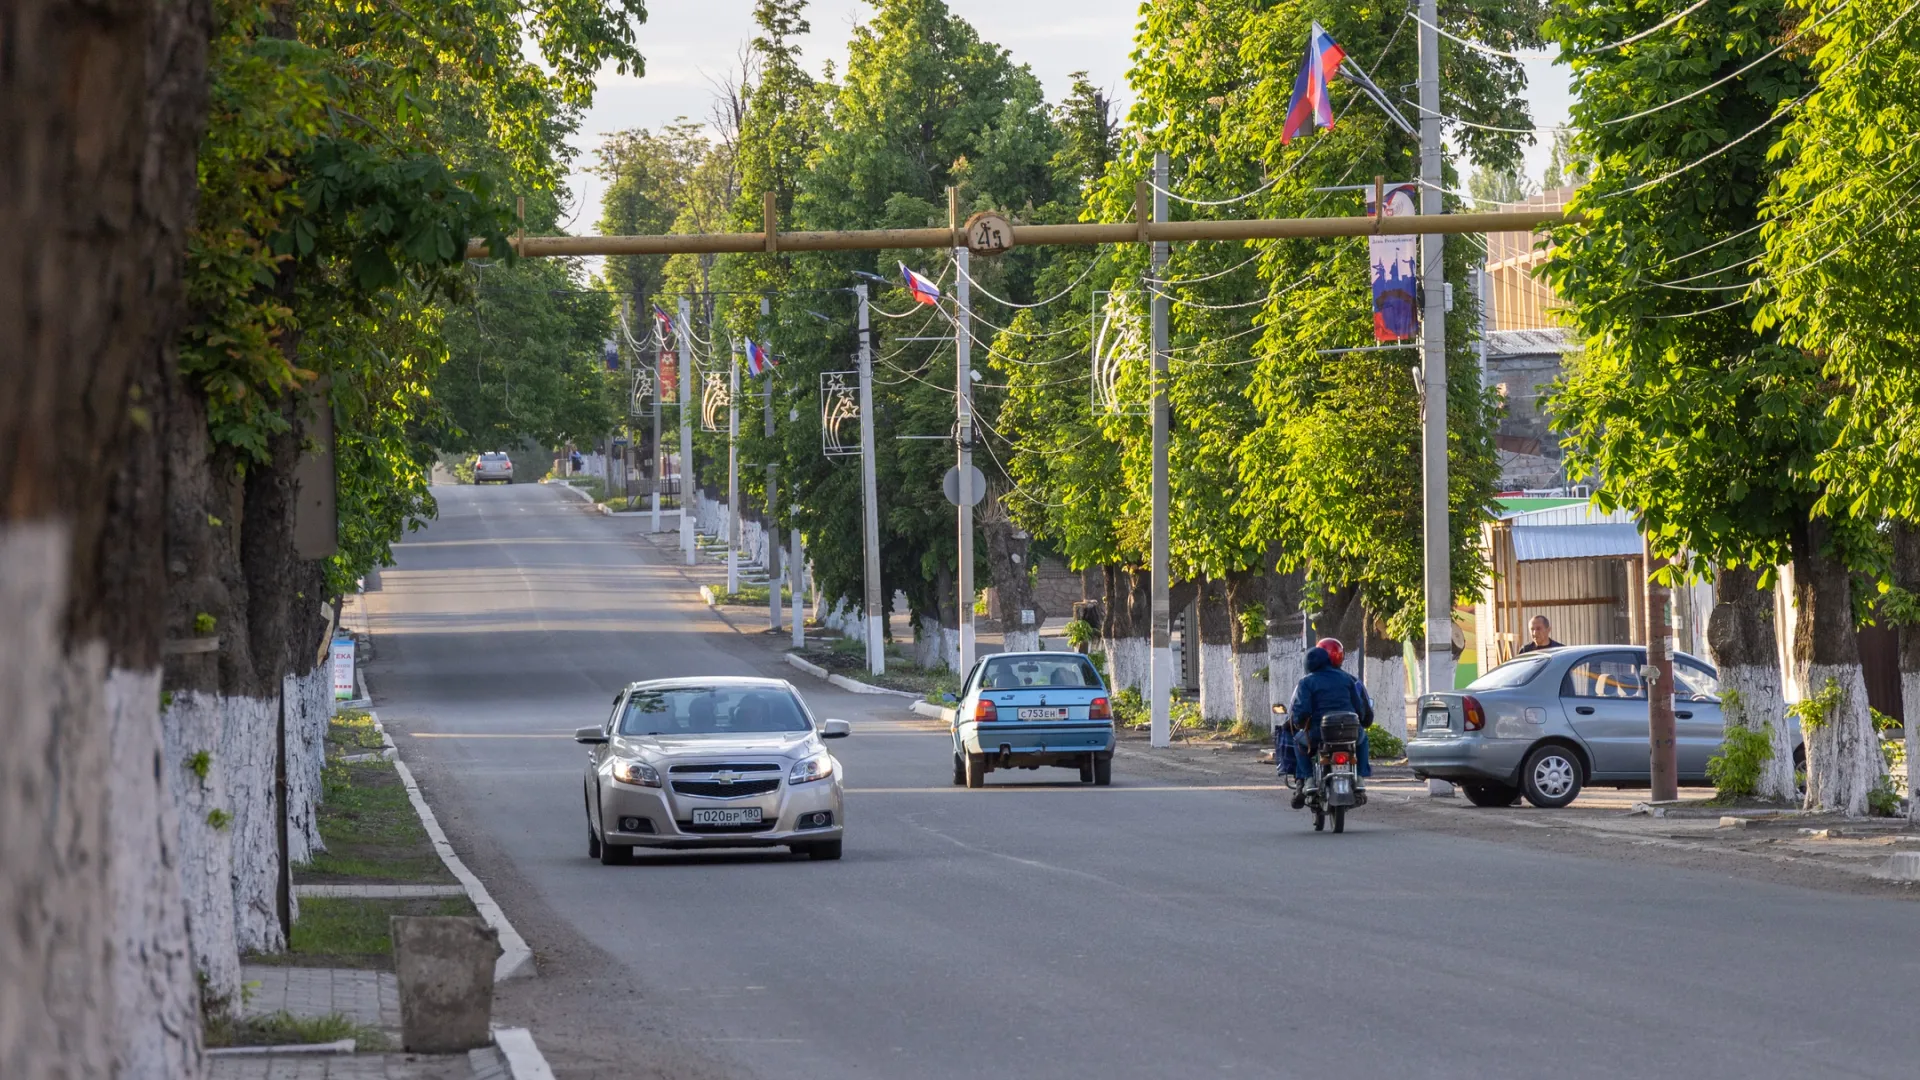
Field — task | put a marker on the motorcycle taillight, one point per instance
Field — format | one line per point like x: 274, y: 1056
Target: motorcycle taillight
x: 1339, y: 757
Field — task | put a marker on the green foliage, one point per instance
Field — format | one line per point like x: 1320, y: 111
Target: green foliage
x: 203, y: 623
x: 1384, y: 745
x: 1253, y: 622
x: 1081, y: 633
x: 1130, y: 708
x: 198, y: 763
x: 1887, y: 792
x: 219, y: 818
x: 285, y: 1029
x: 1814, y: 712
x: 1744, y: 752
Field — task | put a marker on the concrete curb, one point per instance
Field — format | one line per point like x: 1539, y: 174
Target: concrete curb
x: 343, y: 1046
x: 516, y: 959
x: 931, y: 711
x: 841, y: 681
x: 524, y: 1059
x: 602, y: 507
x: 706, y: 594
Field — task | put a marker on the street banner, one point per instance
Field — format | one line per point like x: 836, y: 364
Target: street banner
x: 610, y: 351
x: 341, y: 654
x: 1390, y: 260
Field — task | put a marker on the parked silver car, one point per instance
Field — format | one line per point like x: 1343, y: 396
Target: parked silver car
x: 713, y: 762
x: 494, y: 467
x: 1545, y: 724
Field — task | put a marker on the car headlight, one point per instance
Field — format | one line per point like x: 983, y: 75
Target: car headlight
x: 637, y: 773
x: 817, y: 767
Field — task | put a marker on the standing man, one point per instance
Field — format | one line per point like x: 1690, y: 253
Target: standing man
x: 1542, y: 633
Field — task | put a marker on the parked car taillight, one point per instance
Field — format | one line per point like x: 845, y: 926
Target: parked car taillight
x: 1101, y: 709
x: 1476, y: 713
x: 985, y: 713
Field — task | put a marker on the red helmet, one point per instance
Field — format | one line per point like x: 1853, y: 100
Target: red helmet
x: 1335, y: 651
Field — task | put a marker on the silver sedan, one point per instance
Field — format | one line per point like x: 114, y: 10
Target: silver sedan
x: 715, y: 762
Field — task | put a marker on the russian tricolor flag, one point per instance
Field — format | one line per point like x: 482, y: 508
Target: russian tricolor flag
x: 1310, y: 100
x: 759, y: 360
x: 923, y: 290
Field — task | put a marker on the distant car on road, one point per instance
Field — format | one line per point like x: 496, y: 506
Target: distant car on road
x: 1545, y: 724
x: 712, y: 762
x: 1028, y: 709
x: 495, y: 467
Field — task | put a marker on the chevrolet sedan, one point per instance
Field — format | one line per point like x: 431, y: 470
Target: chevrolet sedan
x: 712, y: 763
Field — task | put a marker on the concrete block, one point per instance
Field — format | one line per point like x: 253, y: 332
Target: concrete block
x: 445, y: 968
x: 1901, y: 866
x: 1732, y: 823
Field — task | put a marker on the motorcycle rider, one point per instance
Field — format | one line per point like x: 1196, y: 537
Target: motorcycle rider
x: 1325, y: 689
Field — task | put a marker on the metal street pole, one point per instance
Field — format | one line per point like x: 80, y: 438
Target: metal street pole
x: 1433, y: 372
x: 963, y: 403
x: 686, y: 430
x: 772, y: 531
x: 797, y: 571
x: 1160, y: 677
x: 659, y: 449
x: 733, y: 469
x: 1663, y: 770
x: 870, y: 499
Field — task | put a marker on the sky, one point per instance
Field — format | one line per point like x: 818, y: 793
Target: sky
x: 690, y: 45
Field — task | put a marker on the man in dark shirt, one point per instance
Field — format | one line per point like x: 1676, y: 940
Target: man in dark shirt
x: 1542, y: 632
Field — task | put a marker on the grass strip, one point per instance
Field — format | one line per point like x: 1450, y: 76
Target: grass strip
x: 286, y: 1029
x: 370, y: 830
x: 348, y: 932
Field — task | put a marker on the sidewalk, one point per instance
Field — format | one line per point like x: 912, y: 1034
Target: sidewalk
x: 370, y: 999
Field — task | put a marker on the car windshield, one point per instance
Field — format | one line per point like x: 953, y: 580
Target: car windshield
x: 1016, y: 672
x: 1510, y: 674
x: 721, y: 710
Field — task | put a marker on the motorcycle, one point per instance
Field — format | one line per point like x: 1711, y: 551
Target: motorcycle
x: 1335, y: 766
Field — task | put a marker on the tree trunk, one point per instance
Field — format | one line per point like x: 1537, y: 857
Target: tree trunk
x: 1218, y: 688
x: 101, y: 108
x: 1247, y: 617
x: 1129, y: 655
x: 1386, y: 675
x: 1906, y: 574
x: 1843, y: 752
x: 1286, y: 627
x: 1745, y: 650
x: 1010, y: 569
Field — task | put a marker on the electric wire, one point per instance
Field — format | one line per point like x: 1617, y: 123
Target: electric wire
x: 1091, y: 266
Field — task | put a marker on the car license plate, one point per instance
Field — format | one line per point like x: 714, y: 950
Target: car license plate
x: 740, y: 815
x: 1043, y: 714
x: 1435, y: 720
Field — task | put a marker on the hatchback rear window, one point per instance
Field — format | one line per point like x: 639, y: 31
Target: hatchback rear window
x: 1510, y: 674
x: 1017, y: 672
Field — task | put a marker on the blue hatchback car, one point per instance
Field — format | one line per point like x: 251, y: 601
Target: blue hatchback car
x: 1028, y: 709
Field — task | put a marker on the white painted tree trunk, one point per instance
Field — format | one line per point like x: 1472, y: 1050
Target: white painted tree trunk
x: 1251, y: 699
x: 1843, y: 754
x: 156, y: 1019
x: 309, y: 707
x: 1752, y: 697
x: 193, y: 723
x: 1021, y: 639
x: 1217, y: 684
x: 1129, y: 662
x: 927, y: 644
x: 1387, y: 686
x: 251, y: 742
x: 1286, y: 663
x: 1910, y: 706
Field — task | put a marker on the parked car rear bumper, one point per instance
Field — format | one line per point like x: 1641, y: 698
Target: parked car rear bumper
x: 1018, y: 738
x: 1468, y: 760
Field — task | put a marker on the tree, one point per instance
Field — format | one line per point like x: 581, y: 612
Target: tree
x: 1565, y: 168
x: 1708, y: 428
x: 1491, y: 189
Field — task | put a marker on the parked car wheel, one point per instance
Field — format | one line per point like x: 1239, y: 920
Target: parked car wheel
x: 976, y: 770
x: 1551, y: 777
x: 1490, y: 794
x: 1086, y: 770
x: 1102, y: 771
x: 959, y: 770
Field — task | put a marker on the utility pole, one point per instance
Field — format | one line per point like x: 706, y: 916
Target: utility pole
x: 733, y: 469
x: 1160, y: 677
x: 686, y: 430
x: 797, y: 571
x: 963, y: 404
x: 772, y: 531
x: 1438, y: 670
x: 875, y: 610
x: 1663, y: 768
x: 659, y: 449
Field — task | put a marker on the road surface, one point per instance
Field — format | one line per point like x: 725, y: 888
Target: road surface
x: 1161, y: 927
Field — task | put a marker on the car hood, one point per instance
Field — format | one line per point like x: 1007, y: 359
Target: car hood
x: 761, y: 744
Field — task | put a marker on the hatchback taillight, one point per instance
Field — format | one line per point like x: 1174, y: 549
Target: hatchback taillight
x: 984, y: 712
x: 1476, y: 714
x: 1101, y: 709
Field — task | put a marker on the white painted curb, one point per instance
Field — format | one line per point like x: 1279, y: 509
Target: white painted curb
x: 840, y: 681
x: 1901, y: 866
x: 516, y: 959
x: 806, y: 665
x: 931, y: 711
x: 706, y: 594
x: 524, y: 1059
x: 343, y: 1046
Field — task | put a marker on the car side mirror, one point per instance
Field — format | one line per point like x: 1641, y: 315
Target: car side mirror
x: 835, y: 729
x: 591, y: 734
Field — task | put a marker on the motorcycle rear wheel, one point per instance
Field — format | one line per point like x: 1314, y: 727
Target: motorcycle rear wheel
x: 1339, y: 819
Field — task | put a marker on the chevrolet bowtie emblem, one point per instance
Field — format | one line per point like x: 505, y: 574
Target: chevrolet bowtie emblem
x: 725, y: 777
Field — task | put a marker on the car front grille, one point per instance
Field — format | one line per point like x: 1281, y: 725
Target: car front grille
x: 714, y: 789
x: 727, y: 766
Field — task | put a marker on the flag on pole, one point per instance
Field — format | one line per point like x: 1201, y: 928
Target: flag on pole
x: 663, y: 323
x: 923, y: 290
x: 1310, y: 101
x: 759, y: 360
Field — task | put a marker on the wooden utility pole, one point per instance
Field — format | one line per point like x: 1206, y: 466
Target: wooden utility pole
x: 1658, y: 677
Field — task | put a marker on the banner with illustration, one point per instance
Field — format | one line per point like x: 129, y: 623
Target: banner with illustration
x: 1391, y: 261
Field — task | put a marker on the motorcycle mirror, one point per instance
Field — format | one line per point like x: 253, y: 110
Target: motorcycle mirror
x: 1279, y: 709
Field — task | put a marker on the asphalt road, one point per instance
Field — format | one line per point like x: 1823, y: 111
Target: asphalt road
x: 1040, y: 929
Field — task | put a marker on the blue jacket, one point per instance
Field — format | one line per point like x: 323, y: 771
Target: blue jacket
x: 1326, y: 689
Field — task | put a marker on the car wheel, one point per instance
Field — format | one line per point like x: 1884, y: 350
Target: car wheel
x: 959, y: 770
x: 976, y: 774
x: 593, y: 841
x: 1490, y: 794
x: 1102, y: 771
x: 1086, y: 770
x: 1551, y: 777
x: 825, y: 850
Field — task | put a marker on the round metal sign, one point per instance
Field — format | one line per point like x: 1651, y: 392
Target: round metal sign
x: 989, y: 233
x: 950, y: 485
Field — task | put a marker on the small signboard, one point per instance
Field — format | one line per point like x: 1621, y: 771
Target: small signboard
x: 342, y: 656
